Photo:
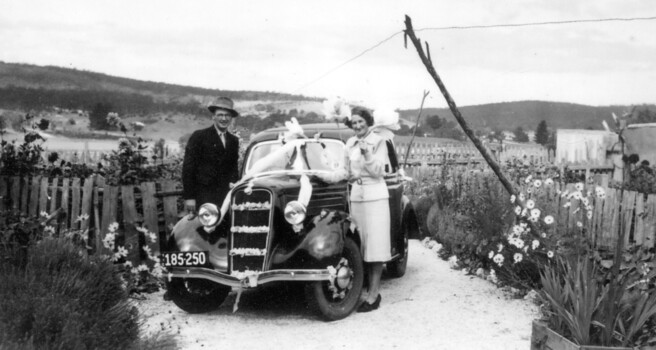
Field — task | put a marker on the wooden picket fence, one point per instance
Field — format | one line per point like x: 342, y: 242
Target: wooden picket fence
x: 627, y: 212
x: 153, y: 205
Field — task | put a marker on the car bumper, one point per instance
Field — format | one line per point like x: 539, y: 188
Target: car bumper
x: 249, y: 281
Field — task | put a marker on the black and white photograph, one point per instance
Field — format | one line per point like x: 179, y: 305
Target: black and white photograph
x: 328, y: 174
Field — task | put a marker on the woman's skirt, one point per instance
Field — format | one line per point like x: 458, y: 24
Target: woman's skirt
x: 373, y: 221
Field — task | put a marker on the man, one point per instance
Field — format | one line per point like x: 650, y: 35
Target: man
x: 210, y: 161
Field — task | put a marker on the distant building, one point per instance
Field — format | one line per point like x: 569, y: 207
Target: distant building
x: 578, y: 146
x: 641, y: 140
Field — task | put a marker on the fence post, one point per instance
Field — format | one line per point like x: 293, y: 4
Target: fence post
x: 109, y: 211
x: 129, y: 224
x: 170, y: 205
x: 148, y: 190
x: 3, y: 193
x: 33, y: 207
x: 15, y: 192
x: 54, y: 190
x: 75, y: 204
x: 650, y: 221
x: 87, y: 200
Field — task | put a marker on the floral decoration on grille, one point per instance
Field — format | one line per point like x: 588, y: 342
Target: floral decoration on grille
x: 251, y: 206
x: 249, y: 229
x: 248, y: 252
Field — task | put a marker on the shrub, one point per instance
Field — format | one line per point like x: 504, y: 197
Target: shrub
x: 63, y: 298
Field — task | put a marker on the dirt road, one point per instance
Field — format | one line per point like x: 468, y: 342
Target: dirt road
x: 431, y: 307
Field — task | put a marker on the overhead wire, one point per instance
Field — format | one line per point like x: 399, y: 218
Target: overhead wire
x: 509, y: 25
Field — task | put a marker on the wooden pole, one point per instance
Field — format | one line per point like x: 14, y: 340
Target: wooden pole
x: 426, y: 60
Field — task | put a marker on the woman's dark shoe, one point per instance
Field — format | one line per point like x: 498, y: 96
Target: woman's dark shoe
x: 366, y: 307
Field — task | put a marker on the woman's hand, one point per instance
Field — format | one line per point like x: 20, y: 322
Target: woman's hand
x: 363, y: 147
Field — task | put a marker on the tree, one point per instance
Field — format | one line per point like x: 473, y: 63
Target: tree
x: 643, y: 115
x: 434, y: 121
x: 551, y: 145
x: 497, y: 135
x: 520, y: 135
x: 98, y: 116
x: 542, y: 133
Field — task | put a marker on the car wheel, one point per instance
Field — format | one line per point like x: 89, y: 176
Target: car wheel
x: 397, y: 267
x: 337, y: 299
x: 196, y: 295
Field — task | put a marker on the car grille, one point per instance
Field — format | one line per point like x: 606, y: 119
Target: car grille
x: 251, y: 222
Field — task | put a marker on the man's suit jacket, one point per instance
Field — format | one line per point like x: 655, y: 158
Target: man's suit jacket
x: 209, y: 167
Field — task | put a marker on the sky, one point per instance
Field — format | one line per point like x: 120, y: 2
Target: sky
x: 351, y: 49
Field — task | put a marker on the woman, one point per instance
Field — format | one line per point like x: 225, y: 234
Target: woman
x: 366, y: 158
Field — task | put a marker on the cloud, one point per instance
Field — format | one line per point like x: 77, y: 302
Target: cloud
x: 294, y: 46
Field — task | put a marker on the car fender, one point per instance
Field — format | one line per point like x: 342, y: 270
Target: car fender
x: 189, y: 235
x: 324, y: 236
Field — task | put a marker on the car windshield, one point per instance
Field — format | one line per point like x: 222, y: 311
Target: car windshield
x: 315, y: 155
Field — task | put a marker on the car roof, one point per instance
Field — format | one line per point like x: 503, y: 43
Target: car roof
x: 336, y: 131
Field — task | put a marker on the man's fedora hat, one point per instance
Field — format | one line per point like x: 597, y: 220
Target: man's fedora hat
x: 223, y: 103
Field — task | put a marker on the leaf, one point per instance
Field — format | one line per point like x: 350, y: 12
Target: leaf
x: 606, y: 263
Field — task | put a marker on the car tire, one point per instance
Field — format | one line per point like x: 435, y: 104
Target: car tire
x: 320, y: 296
x: 397, y: 267
x: 196, y: 295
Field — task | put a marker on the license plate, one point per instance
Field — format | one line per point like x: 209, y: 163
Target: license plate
x: 184, y: 259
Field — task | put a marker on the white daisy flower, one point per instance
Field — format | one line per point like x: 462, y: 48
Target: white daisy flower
x: 490, y: 255
x: 550, y: 254
x: 498, y: 259
x: 537, y: 183
x: 548, y: 219
x: 579, y: 186
x: 530, y: 204
x: 518, y: 210
x: 512, y: 198
x: 548, y: 182
x: 517, y: 257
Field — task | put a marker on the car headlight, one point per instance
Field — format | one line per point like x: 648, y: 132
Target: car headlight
x: 295, y: 212
x: 208, y: 214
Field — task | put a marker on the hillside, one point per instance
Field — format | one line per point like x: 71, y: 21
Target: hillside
x: 26, y: 87
x: 31, y: 87
x: 528, y: 114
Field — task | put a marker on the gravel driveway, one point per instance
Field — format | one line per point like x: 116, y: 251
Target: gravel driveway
x: 431, y: 307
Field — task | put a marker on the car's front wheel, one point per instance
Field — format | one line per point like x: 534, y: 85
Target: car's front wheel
x: 338, y: 298
x: 196, y: 295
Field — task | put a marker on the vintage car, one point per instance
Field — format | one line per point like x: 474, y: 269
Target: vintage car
x: 283, y: 222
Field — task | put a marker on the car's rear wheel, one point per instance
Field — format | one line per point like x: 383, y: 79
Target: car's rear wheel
x: 397, y: 267
x: 337, y: 299
x: 196, y: 295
